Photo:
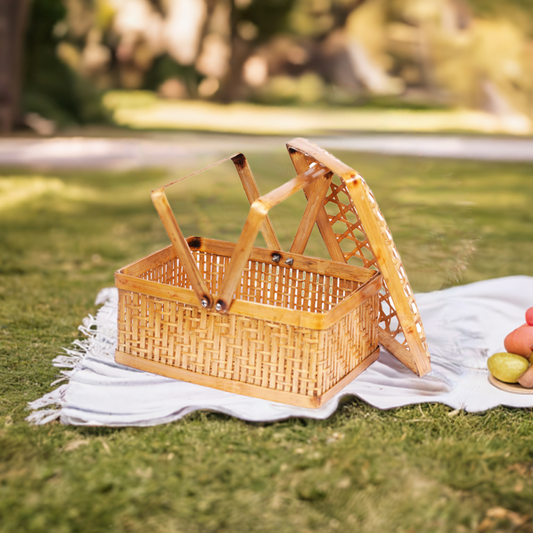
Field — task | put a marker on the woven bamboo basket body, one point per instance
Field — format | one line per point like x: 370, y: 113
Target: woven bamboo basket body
x: 300, y: 332
x: 268, y: 323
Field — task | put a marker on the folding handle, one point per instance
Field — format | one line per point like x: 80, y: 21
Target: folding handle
x: 183, y: 251
x: 257, y: 220
x: 199, y: 286
x: 256, y: 216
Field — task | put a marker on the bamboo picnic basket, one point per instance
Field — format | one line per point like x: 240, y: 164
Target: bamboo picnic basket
x: 282, y: 326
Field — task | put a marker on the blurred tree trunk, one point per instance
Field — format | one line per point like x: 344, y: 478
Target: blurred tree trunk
x: 231, y: 85
x: 12, y: 24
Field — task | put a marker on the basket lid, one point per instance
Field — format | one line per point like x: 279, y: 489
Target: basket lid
x: 349, y: 204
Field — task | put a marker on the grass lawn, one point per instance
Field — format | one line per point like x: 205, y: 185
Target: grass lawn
x: 414, y: 469
x: 145, y: 110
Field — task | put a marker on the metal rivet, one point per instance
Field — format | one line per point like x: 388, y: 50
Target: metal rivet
x: 289, y: 261
x: 276, y: 258
x: 218, y: 307
x: 204, y: 303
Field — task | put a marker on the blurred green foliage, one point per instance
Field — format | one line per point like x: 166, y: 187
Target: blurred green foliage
x: 50, y: 87
x: 269, y: 16
x: 418, y: 54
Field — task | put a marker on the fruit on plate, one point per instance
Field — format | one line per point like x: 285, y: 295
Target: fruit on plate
x: 507, y: 367
x: 529, y: 316
x: 520, y: 341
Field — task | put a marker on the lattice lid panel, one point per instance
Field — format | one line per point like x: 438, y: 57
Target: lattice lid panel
x: 353, y: 226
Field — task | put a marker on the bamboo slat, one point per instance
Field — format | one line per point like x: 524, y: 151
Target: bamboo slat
x: 178, y: 241
x: 301, y: 165
x: 315, y: 194
x: 252, y: 193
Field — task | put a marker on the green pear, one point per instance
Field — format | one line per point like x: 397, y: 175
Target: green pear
x: 507, y: 367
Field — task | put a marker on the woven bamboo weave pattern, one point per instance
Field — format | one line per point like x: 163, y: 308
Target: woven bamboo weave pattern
x: 249, y: 350
x: 350, y: 234
x: 261, y: 283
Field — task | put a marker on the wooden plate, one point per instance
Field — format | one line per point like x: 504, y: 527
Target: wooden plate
x: 515, y: 388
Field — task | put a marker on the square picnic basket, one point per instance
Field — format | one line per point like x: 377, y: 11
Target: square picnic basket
x: 268, y: 323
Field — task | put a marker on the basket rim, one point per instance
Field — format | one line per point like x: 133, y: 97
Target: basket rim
x: 127, y: 278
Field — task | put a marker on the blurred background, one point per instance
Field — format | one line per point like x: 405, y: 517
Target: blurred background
x: 66, y: 63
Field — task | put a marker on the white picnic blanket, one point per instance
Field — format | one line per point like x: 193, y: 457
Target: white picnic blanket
x: 464, y: 326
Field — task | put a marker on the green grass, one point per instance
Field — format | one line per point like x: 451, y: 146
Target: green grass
x: 144, y: 110
x: 414, y: 469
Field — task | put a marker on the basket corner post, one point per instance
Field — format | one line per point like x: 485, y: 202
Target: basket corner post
x: 423, y: 366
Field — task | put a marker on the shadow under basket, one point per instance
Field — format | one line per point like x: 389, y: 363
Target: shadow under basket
x: 298, y: 331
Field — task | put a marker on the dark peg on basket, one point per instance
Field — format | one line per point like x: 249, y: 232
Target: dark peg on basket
x: 276, y: 258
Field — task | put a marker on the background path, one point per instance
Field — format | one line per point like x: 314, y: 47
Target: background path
x: 171, y: 149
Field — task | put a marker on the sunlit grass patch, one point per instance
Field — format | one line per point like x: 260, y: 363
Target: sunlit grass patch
x: 18, y: 190
x: 144, y: 110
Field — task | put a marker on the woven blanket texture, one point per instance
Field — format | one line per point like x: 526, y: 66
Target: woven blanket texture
x: 464, y: 326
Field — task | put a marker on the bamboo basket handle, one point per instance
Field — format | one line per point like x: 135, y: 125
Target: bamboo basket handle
x: 315, y: 200
x: 252, y: 193
x: 198, y: 284
x: 173, y: 230
x: 255, y: 219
